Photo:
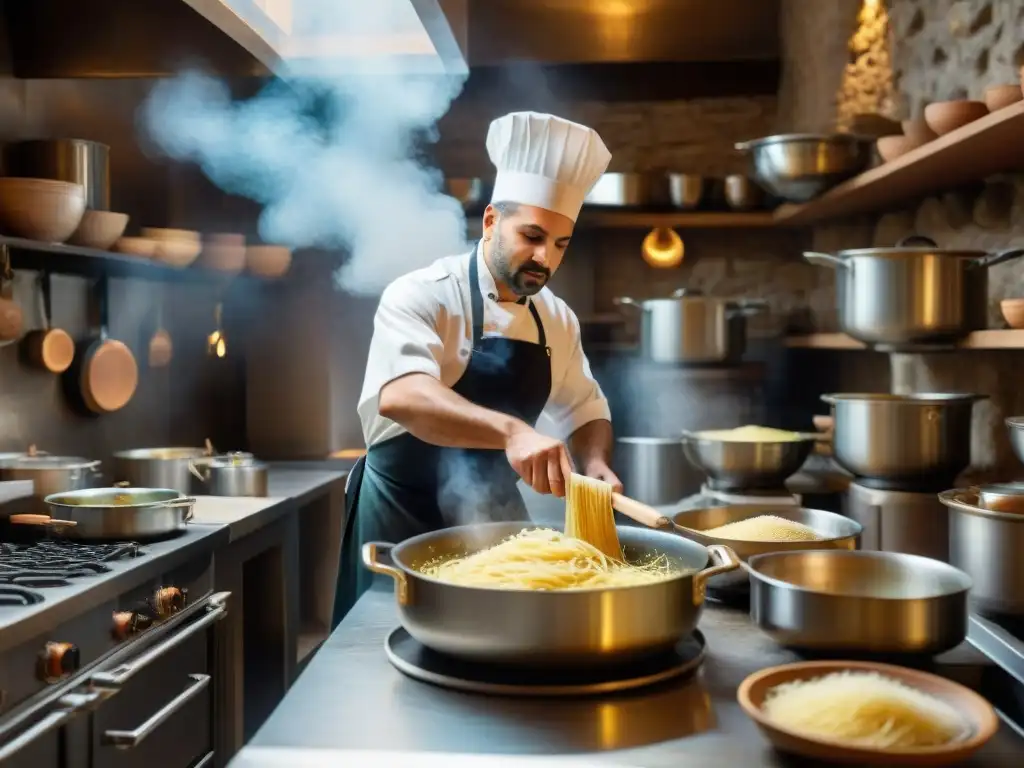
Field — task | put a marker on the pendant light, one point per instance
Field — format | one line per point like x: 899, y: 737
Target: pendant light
x: 663, y: 248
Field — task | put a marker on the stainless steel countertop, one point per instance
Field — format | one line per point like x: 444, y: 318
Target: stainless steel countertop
x: 350, y: 698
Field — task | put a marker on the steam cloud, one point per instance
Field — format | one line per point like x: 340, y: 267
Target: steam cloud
x: 467, y: 493
x: 331, y: 156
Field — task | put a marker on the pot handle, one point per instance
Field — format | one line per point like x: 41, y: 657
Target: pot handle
x: 825, y: 260
x: 195, y: 471
x: 639, y: 511
x: 625, y: 301
x: 370, y: 551
x: 996, y: 258
x: 723, y: 559
x: 742, y: 146
x: 41, y: 520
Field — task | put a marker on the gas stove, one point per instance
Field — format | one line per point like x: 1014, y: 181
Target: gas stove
x: 54, y: 563
x: 1002, y: 641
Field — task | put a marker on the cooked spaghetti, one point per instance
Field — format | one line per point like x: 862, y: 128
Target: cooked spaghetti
x: 589, y: 515
x: 586, y: 556
x: 863, y: 709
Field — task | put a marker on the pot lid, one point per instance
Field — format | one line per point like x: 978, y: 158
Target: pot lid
x: 49, y: 462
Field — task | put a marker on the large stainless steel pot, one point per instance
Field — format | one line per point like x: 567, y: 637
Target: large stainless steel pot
x: 117, y: 514
x: 82, y: 162
x: 690, y: 328
x: 914, y: 293
x: 1015, y: 426
x: 747, y: 466
x: 231, y: 475
x: 50, y: 474
x: 560, y: 627
x: 160, y: 467
x: 800, y: 166
x: 987, y: 544
x: 837, y: 532
x: 652, y: 469
x: 881, y: 602
x: 902, y: 439
x: 630, y: 190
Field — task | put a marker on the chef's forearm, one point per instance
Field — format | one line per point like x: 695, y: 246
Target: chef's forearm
x: 436, y: 414
x: 592, y: 443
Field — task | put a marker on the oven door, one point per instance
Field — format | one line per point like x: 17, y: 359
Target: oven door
x: 158, y: 707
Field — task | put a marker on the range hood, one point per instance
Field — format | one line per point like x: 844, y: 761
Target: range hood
x: 158, y: 38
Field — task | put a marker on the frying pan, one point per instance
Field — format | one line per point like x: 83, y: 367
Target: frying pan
x: 103, y: 375
x: 48, y: 348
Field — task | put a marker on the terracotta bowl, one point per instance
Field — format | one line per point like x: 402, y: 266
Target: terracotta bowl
x: 999, y: 96
x: 136, y: 246
x: 918, y: 130
x: 223, y: 257
x: 268, y: 260
x: 177, y: 253
x: 945, y: 116
x: 171, y: 235
x: 99, y: 229
x: 40, y: 209
x: 891, y: 147
x: 1013, y: 312
x: 978, y: 714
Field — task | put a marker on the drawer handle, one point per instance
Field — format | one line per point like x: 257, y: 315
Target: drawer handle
x: 68, y: 706
x: 130, y: 739
x: 118, y: 676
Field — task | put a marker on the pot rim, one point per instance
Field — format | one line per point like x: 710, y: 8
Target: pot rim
x: 150, y: 454
x: 918, y: 398
x: 1015, y: 422
x: 649, y: 440
x: 551, y: 594
x: 750, y: 566
x: 896, y: 253
x: 799, y: 138
x: 953, y: 499
x: 39, y: 463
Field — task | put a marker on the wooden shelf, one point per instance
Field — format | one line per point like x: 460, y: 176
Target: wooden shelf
x: 992, y: 144
x: 89, y: 262
x: 596, y: 219
x: 991, y: 339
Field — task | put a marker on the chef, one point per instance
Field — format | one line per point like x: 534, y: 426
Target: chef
x: 469, y: 352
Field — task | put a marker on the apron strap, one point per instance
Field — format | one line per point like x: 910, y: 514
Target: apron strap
x: 476, y: 306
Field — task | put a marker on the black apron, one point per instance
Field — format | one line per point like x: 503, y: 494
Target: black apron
x: 404, y: 487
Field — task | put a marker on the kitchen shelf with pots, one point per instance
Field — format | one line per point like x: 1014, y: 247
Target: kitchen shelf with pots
x: 991, y: 144
x: 58, y: 258
x: 994, y: 338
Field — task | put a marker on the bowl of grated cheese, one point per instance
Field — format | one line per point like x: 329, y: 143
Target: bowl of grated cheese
x: 867, y: 713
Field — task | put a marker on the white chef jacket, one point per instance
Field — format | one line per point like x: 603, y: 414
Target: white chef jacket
x: 423, y: 325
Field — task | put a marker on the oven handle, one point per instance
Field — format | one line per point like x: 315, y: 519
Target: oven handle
x: 117, y: 677
x: 132, y: 739
x: 69, y: 706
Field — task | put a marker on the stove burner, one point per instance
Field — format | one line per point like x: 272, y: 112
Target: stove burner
x: 54, y: 562
x: 17, y: 596
x: 425, y: 665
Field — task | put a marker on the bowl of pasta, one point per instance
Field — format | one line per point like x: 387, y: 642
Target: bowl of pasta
x: 516, y: 593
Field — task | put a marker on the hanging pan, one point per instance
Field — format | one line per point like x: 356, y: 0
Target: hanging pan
x: 48, y: 348
x: 103, y: 376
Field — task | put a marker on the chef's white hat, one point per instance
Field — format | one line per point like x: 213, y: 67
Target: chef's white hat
x: 545, y: 161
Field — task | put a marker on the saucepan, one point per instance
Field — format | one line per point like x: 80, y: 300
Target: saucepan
x: 578, y: 627
x: 877, y: 602
x: 114, y: 514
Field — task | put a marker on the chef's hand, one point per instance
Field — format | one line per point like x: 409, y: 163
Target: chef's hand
x: 597, y: 469
x: 543, y: 462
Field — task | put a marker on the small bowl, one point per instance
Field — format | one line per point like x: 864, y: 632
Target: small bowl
x: 1013, y: 312
x: 978, y: 715
x: 891, y: 147
x: 945, y: 116
x: 40, y: 209
x: 270, y: 261
x: 136, y: 246
x: 1000, y: 96
x: 99, y: 229
x: 177, y: 253
x: 918, y: 130
x: 223, y: 257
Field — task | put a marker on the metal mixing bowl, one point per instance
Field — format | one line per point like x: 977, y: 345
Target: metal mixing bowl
x: 839, y: 532
x: 881, y: 602
x: 746, y: 465
x: 800, y: 166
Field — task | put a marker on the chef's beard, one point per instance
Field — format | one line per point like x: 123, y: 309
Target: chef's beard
x: 526, y: 280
